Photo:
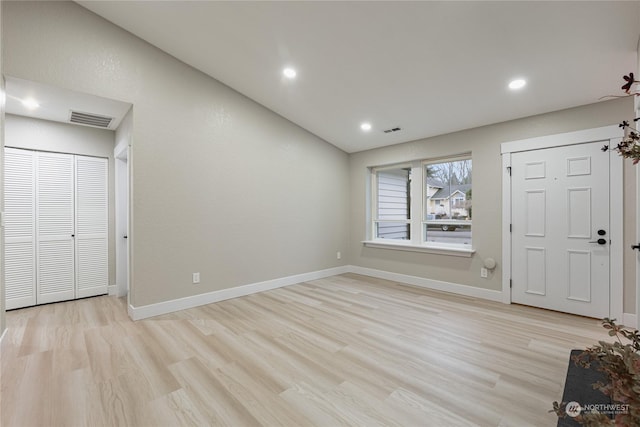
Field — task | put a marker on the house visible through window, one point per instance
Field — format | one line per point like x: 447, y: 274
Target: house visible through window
x: 448, y: 202
x: 423, y: 203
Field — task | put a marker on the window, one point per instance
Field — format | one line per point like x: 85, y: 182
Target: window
x: 423, y: 204
x: 393, y: 204
x: 447, y: 211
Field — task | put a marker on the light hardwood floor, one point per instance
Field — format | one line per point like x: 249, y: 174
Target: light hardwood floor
x: 346, y: 350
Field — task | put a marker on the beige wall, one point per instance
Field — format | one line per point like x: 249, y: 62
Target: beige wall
x: 44, y: 135
x: 221, y: 185
x: 484, y: 144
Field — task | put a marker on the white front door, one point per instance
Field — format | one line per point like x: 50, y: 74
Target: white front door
x: 560, y: 229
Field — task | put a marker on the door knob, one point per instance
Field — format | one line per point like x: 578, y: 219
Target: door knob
x: 636, y: 247
x: 124, y: 237
x: 600, y: 241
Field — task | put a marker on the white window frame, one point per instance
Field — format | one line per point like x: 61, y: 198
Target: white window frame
x: 416, y: 243
x: 374, y: 200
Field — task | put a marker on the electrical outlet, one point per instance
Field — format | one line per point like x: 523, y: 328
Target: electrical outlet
x: 338, y: 255
x: 196, y: 278
x: 484, y: 273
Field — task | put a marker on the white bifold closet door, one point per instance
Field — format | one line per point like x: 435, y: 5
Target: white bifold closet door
x: 92, y: 226
x: 56, y: 245
x: 55, y: 227
x: 20, y: 228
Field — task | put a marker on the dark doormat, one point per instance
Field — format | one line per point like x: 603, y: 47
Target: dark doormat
x: 578, y: 387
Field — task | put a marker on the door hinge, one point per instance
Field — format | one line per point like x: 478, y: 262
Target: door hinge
x: 511, y: 283
x: 510, y: 228
x: 509, y: 170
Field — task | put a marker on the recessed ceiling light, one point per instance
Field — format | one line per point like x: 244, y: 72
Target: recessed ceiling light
x: 517, y: 84
x: 30, y: 103
x: 365, y: 126
x: 289, y: 73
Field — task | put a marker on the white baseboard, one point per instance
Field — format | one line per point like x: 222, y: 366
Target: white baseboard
x: 145, y: 311
x: 470, y: 291
x: 630, y: 320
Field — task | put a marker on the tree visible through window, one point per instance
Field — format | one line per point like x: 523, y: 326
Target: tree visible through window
x: 448, y: 202
x: 422, y: 203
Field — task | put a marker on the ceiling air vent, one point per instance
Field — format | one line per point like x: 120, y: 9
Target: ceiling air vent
x: 89, y: 119
x: 391, y: 130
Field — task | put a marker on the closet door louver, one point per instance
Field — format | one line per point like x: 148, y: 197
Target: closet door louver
x: 20, y: 244
x: 55, y: 227
x: 92, y: 226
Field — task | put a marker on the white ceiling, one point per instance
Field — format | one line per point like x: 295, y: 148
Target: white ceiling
x: 56, y: 104
x: 427, y: 67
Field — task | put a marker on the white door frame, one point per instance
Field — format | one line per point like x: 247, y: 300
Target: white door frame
x: 609, y: 135
x: 637, y: 317
x: 121, y: 157
x: 637, y: 314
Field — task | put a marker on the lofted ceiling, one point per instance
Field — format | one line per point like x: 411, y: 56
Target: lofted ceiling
x: 428, y: 68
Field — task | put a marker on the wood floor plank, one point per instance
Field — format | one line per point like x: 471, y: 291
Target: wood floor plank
x: 437, y: 414
x: 344, y: 350
x: 204, y: 389
x: 175, y: 408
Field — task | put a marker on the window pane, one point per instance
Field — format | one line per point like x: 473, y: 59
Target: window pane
x: 448, y: 202
x: 393, y: 194
x: 393, y: 230
x: 393, y: 204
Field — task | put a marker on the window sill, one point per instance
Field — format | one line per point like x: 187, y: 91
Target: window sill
x: 430, y: 248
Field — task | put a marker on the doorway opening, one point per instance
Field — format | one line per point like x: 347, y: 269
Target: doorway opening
x: 80, y: 132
